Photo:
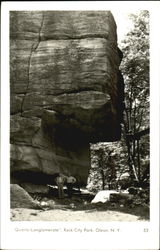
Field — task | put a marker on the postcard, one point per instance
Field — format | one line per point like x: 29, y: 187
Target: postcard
x: 80, y: 125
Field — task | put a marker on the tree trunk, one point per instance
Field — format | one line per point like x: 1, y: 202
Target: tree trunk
x: 129, y: 151
x: 138, y: 161
x: 103, y: 180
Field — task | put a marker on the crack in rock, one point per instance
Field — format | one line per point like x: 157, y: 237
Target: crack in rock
x: 33, y: 49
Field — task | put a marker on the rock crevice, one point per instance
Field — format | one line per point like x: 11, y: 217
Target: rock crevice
x: 33, y: 49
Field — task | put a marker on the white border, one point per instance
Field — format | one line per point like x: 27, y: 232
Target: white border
x: 131, y: 235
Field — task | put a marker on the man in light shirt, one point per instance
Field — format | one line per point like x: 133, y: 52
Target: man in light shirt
x: 60, y: 180
x: 69, y: 183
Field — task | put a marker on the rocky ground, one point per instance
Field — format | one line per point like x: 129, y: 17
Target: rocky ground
x: 79, y: 208
x: 23, y: 214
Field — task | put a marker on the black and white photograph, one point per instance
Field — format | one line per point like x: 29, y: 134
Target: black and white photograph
x: 79, y: 136
x: 79, y: 119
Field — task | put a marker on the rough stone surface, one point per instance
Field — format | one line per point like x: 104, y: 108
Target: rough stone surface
x: 21, y: 199
x: 32, y: 188
x: 66, y: 89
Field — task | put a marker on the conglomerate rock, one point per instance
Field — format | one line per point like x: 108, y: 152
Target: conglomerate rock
x: 21, y: 199
x: 66, y: 89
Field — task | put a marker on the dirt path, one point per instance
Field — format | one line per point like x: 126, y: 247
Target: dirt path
x: 23, y: 214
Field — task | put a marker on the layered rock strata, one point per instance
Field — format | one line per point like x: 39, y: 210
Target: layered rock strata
x: 66, y: 90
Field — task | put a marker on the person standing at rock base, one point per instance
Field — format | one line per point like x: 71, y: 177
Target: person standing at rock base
x: 60, y: 180
x: 70, y: 181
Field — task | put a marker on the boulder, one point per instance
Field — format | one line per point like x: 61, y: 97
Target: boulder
x: 66, y: 89
x: 122, y: 198
x: 103, y: 196
x: 21, y: 199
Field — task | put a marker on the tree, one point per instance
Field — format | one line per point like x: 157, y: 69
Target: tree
x: 108, y: 163
x: 135, y: 69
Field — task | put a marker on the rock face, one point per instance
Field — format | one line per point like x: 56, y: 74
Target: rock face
x: 21, y: 199
x: 32, y: 188
x: 66, y: 90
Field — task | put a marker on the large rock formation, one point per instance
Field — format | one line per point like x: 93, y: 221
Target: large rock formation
x: 66, y: 90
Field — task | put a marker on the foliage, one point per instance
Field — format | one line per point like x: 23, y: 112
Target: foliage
x: 108, y: 164
x: 135, y: 69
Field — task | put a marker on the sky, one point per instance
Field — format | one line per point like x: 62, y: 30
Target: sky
x: 124, y: 24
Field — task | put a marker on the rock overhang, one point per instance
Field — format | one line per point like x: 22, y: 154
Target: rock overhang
x: 66, y: 88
